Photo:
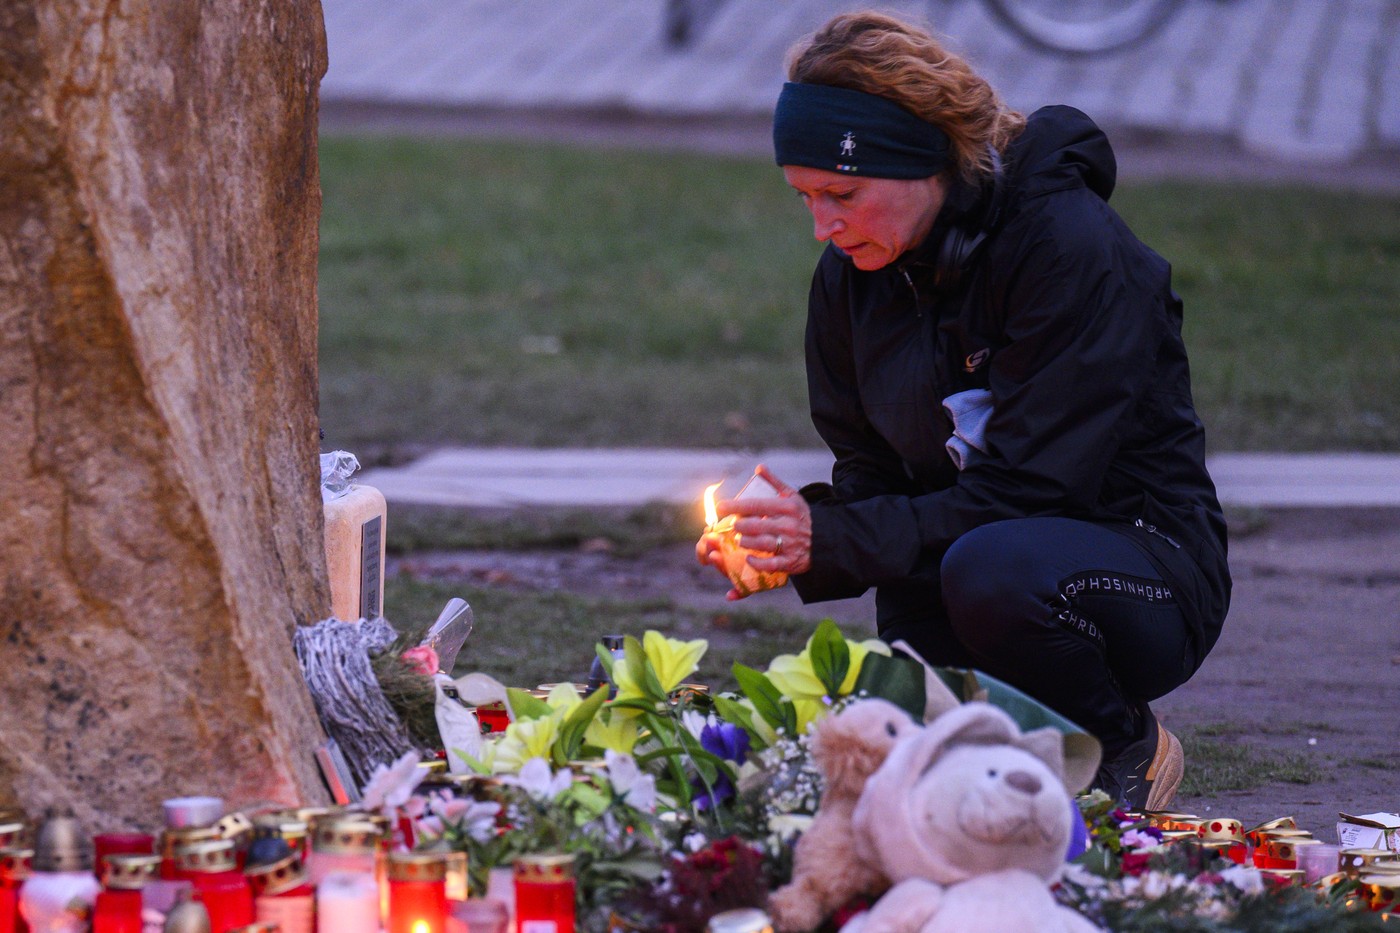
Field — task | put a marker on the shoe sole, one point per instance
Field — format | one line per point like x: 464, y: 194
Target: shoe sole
x: 1168, y: 767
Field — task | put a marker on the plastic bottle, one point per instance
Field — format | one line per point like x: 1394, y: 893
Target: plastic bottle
x: 597, y: 674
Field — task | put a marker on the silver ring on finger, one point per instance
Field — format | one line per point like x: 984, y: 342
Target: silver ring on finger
x: 778, y: 549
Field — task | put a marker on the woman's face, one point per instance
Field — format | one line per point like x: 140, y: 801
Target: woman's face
x: 874, y: 220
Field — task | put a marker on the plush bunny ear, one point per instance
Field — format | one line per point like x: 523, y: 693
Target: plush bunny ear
x: 938, y: 699
x: 885, y: 828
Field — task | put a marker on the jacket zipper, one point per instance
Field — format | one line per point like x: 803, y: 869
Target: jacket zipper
x: 1152, y: 530
x: 918, y: 308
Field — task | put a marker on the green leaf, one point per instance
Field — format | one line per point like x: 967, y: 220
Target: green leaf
x: 571, y: 732
x: 606, y: 657
x: 731, y: 710
x: 524, y: 706
x: 898, y: 680
x: 472, y: 763
x: 830, y: 655
x: 789, y: 726
x: 640, y: 670
x: 761, y: 692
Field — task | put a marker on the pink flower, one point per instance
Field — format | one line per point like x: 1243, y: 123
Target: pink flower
x: 422, y: 659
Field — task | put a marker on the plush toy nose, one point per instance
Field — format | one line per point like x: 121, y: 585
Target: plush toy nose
x: 1024, y: 781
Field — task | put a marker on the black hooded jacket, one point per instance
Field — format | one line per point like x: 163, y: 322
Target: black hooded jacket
x: 1072, y: 324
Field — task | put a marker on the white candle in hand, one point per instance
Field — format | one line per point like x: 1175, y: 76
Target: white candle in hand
x: 347, y: 902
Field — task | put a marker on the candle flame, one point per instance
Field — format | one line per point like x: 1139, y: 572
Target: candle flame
x: 421, y: 926
x: 711, y: 516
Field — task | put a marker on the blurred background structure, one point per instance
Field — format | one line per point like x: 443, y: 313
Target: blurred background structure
x: 1315, y: 82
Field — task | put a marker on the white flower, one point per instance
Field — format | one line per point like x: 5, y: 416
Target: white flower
x: 476, y: 818
x: 539, y: 780
x: 694, y: 842
x: 695, y: 723
x: 391, y: 786
x: 628, y: 782
x: 1246, y: 880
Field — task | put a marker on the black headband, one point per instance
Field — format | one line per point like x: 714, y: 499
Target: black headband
x: 841, y: 130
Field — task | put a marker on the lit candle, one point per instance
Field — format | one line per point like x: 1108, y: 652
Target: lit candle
x: 417, y: 892
x: 746, y: 578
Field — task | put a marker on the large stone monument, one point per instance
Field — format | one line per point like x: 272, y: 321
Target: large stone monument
x: 160, y: 526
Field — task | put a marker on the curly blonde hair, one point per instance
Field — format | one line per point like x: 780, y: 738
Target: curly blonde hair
x: 881, y: 55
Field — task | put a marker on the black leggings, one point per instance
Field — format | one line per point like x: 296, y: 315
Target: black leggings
x: 1068, y: 611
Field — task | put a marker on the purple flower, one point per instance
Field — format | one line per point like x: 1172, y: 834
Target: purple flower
x: 725, y: 740
x: 730, y: 742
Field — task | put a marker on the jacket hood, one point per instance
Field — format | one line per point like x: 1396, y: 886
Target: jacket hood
x: 1061, y: 148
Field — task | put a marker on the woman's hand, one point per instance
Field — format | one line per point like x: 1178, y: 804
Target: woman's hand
x: 778, y: 528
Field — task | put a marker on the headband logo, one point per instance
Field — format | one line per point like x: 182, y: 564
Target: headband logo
x: 848, y: 145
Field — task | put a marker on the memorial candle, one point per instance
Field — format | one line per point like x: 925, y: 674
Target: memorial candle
x: 545, y: 893
x: 746, y: 578
x: 347, y: 902
x: 15, y: 865
x: 124, y: 875
x: 417, y: 892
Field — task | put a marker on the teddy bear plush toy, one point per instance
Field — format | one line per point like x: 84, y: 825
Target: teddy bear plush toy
x: 968, y: 818
x: 847, y: 748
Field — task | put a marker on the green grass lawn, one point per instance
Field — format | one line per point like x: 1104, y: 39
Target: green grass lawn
x: 496, y: 293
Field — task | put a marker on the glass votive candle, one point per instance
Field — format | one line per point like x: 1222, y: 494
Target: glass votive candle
x: 124, y: 876
x: 105, y: 844
x: 347, y: 902
x: 282, y: 895
x: 15, y: 865
x: 212, y: 867
x: 417, y: 892
x: 344, y: 843
x: 544, y: 893
x: 1318, y: 861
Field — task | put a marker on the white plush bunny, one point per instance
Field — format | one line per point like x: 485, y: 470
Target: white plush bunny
x: 969, y: 818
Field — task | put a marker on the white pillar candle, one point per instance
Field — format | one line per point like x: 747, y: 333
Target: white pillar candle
x: 347, y: 902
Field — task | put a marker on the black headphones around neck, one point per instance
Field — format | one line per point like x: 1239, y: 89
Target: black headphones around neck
x: 964, y: 241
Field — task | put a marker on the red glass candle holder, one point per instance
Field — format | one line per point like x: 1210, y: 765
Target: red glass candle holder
x: 15, y: 865
x: 417, y: 892
x: 212, y: 867
x: 124, y: 876
x: 282, y: 895
x: 545, y: 893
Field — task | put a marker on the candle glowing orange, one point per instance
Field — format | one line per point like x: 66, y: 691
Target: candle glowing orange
x: 746, y: 578
x: 711, y: 516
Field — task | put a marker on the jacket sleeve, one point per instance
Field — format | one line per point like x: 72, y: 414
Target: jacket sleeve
x: 866, y: 467
x: 1079, y: 306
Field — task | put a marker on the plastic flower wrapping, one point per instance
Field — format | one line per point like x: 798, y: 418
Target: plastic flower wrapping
x: 677, y: 803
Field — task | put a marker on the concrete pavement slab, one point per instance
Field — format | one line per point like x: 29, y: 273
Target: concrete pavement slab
x: 592, y: 478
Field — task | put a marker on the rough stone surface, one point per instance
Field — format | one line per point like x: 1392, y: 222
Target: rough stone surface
x: 161, y: 536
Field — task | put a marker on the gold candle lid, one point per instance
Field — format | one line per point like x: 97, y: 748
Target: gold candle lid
x: 1222, y: 830
x: 1177, y: 835
x: 345, y: 835
x: 127, y: 872
x: 172, y: 839
x: 1284, y: 876
x: 747, y: 920
x: 1354, y: 860
x: 207, y: 856
x: 277, y: 877
x: 16, y: 863
x: 11, y: 833
x: 187, y: 917
x: 61, y: 845
x: 544, y: 868
x: 290, y: 830
x: 1286, y: 848
x: 1283, y: 822
x: 235, y: 826
x: 417, y: 866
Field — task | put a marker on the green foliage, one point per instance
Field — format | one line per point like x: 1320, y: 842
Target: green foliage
x: 498, y: 293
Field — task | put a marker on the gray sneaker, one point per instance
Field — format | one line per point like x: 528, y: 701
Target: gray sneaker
x: 1146, y: 774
